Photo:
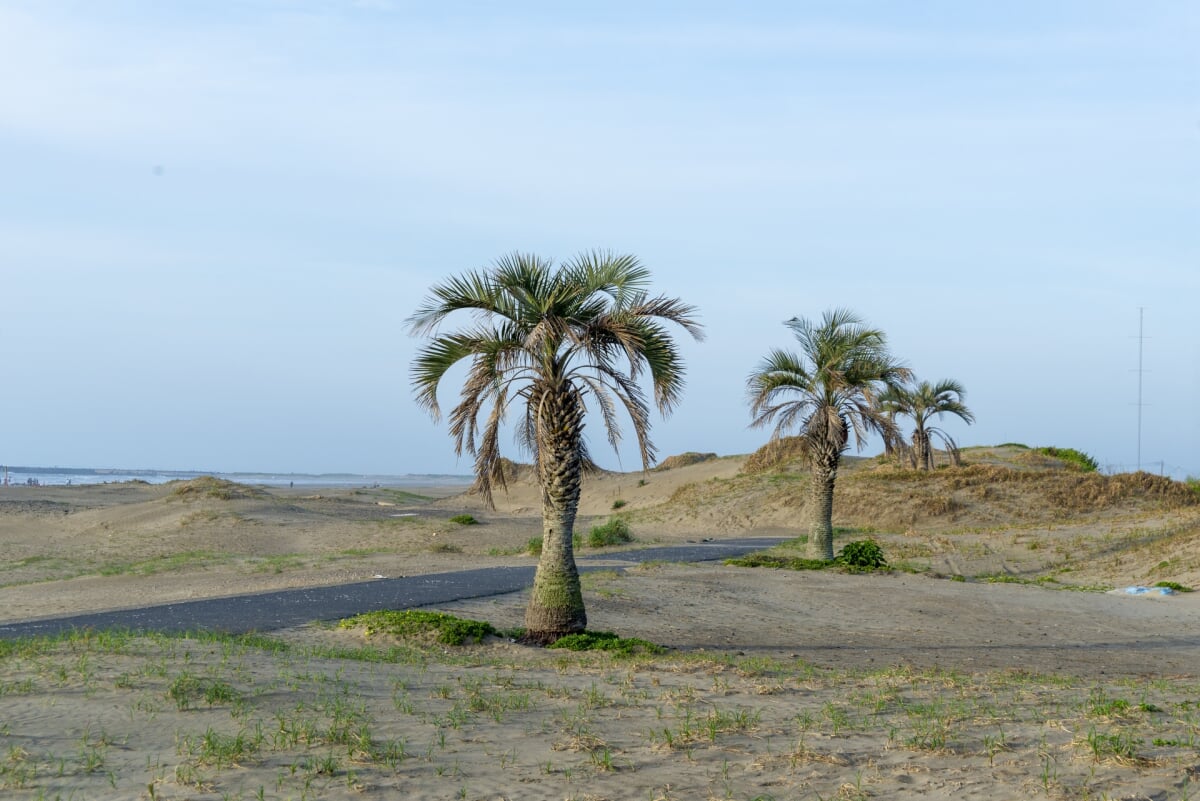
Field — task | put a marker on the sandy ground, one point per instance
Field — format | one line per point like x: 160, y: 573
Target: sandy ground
x: 778, y: 685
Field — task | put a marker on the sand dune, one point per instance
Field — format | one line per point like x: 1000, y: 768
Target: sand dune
x: 973, y: 672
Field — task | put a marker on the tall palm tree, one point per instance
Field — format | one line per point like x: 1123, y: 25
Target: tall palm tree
x: 923, y: 401
x: 551, y: 340
x: 826, y: 391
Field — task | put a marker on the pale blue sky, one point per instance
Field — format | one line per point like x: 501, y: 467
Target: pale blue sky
x: 215, y: 216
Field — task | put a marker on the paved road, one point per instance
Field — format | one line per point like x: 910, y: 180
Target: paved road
x: 284, y: 608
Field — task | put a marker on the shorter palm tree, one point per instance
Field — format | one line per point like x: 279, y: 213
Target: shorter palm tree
x: 923, y: 401
x: 830, y: 389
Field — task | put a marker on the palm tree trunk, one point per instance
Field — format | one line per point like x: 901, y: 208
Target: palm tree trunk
x: 820, y: 533
x: 924, y: 449
x: 556, y: 604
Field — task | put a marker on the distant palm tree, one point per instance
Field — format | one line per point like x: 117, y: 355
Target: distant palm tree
x: 550, y: 339
x: 923, y: 401
x: 826, y: 391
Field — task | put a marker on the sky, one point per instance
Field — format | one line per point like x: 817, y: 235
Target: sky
x: 215, y: 218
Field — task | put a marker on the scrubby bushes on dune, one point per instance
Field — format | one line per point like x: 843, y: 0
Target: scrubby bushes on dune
x: 684, y: 460
x: 213, y: 487
x: 614, y: 532
x: 775, y: 454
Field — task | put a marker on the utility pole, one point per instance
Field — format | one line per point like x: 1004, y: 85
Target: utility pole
x: 1141, y: 340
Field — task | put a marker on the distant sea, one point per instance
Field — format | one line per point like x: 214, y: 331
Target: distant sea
x: 21, y: 476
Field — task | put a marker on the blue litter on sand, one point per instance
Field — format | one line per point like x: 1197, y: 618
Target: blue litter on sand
x: 1149, y: 591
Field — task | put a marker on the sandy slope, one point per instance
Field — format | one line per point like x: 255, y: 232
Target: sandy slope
x: 780, y: 684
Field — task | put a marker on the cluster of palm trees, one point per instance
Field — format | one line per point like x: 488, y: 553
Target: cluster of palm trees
x: 547, y: 340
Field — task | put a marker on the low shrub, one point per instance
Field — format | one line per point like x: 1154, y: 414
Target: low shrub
x: 614, y: 532
x: 464, y: 520
x: 862, y: 555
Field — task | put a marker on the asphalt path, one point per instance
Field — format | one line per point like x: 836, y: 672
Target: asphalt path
x: 281, y: 609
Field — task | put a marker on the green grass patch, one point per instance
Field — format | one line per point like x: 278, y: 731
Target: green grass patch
x: 164, y: 564
x: 1174, y: 586
x: 859, y: 556
x: 1075, y: 459
x: 779, y: 562
x: 186, y: 690
x: 416, y: 623
x: 1048, y: 582
x: 608, y: 642
x: 278, y: 563
x: 465, y: 520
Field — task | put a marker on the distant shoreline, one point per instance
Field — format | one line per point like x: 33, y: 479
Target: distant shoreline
x: 21, y: 475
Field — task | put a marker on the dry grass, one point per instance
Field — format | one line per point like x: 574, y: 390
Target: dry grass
x: 218, y: 488
x: 684, y: 460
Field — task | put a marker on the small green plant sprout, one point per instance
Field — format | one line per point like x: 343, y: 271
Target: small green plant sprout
x: 417, y: 623
x: 614, y: 532
x: 862, y: 555
x: 619, y: 503
x: 607, y: 641
x: 465, y: 520
x: 186, y: 690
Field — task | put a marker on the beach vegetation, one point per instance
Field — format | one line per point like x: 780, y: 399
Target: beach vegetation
x: 862, y: 555
x: 923, y: 401
x: 828, y: 391
x: 212, y: 487
x: 607, y: 641
x: 448, y: 629
x: 1077, y: 460
x: 551, y: 339
x: 464, y: 520
x: 613, y: 532
x: 764, y: 559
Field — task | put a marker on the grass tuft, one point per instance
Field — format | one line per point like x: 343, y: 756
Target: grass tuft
x: 408, y: 623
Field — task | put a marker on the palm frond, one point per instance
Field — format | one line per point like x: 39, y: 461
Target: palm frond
x: 586, y: 327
